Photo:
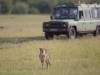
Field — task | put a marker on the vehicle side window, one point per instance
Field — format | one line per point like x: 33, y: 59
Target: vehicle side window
x: 81, y: 15
x: 94, y: 13
x: 98, y: 12
x: 87, y: 14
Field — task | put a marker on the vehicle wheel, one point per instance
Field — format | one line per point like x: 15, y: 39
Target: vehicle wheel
x: 96, y: 33
x: 48, y: 36
x: 71, y: 33
x: 99, y: 32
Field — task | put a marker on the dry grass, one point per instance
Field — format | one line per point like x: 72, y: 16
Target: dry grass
x: 68, y: 57
x: 22, y: 25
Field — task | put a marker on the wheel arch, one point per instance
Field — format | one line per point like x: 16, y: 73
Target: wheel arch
x: 98, y: 27
x: 74, y: 26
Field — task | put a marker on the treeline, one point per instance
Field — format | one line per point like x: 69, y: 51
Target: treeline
x: 33, y: 6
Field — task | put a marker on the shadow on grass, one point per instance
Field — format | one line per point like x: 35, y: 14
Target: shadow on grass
x: 20, y: 40
x: 26, y: 39
x: 1, y: 27
x: 38, y: 38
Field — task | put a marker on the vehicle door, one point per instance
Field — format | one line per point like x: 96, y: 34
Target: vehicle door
x: 95, y: 16
x: 89, y: 22
x: 81, y: 22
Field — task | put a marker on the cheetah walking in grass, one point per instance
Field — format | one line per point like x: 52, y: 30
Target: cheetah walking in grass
x: 44, y: 57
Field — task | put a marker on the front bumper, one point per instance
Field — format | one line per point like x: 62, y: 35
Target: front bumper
x: 55, y: 26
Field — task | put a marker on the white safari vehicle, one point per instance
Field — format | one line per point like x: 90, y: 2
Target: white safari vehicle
x: 73, y: 20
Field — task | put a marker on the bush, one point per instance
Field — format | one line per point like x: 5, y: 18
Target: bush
x: 33, y: 10
x: 44, y: 7
x: 5, y: 6
x: 20, y: 8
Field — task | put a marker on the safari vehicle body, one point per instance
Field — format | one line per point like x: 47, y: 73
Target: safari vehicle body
x: 73, y: 20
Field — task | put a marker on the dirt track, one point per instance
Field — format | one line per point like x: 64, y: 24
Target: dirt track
x: 20, y: 40
x: 27, y: 39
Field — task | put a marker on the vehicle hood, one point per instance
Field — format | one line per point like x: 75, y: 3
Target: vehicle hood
x: 71, y: 21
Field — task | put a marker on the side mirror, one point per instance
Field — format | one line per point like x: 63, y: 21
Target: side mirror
x: 77, y: 19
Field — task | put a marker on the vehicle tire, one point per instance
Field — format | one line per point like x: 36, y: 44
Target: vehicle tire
x: 71, y: 33
x: 96, y: 33
x: 99, y: 32
x: 48, y: 36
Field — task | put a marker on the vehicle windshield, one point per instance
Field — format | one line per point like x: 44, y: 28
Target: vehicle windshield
x: 65, y: 13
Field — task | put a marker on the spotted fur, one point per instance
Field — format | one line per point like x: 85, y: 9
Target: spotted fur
x: 44, y: 57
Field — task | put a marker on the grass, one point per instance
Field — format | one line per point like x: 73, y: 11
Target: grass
x: 68, y: 57
x: 22, y: 25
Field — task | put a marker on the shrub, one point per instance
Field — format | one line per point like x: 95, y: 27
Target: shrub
x: 33, y: 10
x: 44, y: 7
x: 5, y: 6
x: 20, y: 8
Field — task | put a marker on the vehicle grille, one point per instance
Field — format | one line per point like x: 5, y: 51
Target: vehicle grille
x: 55, y: 25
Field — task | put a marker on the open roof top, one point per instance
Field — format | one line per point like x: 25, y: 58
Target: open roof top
x: 80, y: 5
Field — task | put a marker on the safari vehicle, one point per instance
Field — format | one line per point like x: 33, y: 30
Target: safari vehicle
x: 73, y: 20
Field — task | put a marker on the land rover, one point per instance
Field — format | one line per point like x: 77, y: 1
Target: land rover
x: 73, y: 20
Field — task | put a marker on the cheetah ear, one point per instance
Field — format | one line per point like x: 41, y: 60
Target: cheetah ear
x: 40, y: 49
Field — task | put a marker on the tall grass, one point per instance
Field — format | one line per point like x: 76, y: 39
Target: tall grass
x: 68, y: 57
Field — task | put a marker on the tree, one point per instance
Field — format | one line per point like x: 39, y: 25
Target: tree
x: 44, y: 7
x: 5, y: 6
x: 34, y: 6
x: 20, y: 8
x: 33, y: 10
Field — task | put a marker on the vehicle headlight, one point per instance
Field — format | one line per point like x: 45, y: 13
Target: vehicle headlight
x: 64, y: 25
x: 46, y: 25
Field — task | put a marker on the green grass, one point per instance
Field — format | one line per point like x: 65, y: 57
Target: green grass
x: 68, y: 57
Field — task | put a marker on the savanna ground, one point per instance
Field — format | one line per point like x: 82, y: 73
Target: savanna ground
x: 21, y: 37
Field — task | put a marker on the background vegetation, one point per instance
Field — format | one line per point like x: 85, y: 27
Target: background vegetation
x: 21, y: 36
x: 33, y: 6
